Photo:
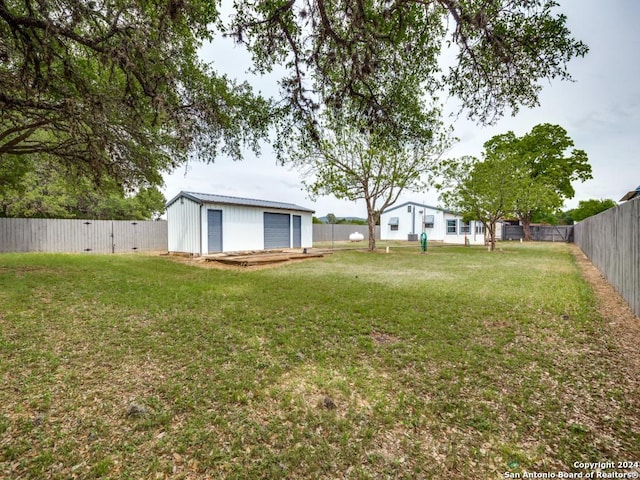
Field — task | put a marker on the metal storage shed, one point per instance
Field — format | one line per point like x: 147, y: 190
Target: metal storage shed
x: 202, y: 223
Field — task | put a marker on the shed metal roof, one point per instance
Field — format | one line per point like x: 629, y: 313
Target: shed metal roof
x: 202, y: 198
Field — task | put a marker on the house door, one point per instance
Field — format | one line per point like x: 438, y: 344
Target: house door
x: 214, y: 228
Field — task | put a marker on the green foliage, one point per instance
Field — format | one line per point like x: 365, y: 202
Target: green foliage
x: 351, y: 221
x: 557, y: 217
x: 46, y: 191
x: 588, y: 208
x: 542, y: 169
x: 376, y: 62
x: 565, y: 217
x: 353, y: 164
x: 117, y: 88
x: 315, y: 220
x: 478, y: 190
x: 525, y: 176
x: 545, y: 152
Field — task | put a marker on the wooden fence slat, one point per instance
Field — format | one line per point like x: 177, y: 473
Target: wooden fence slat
x: 340, y: 232
x: 77, y: 236
x: 610, y: 240
x: 539, y: 233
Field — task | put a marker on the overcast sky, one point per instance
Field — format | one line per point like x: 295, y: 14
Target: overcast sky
x: 600, y: 111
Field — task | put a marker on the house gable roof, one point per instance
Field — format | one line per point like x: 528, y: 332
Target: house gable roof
x: 203, y: 198
x: 418, y: 205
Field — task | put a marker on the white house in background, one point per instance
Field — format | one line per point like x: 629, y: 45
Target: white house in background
x: 201, y: 223
x: 409, y: 220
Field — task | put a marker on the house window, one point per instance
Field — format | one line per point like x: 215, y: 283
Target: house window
x: 451, y: 227
x: 465, y: 227
x: 409, y: 209
x: 479, y: 228
x: 429, y: 221
x: 394, y: 222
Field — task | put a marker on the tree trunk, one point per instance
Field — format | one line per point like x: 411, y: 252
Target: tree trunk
x: 492, y: 236
x: 526, y: 226
x: 371, y: 219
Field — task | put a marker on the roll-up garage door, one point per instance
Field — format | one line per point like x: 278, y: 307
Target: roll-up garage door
x: 277, y: 230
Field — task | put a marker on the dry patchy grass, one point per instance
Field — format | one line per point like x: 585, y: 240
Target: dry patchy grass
x: 356, y: 366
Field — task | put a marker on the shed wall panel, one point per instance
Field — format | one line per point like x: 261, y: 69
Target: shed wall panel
x: 184, y: 222
x: 307, y: 230
x: 243, y: 226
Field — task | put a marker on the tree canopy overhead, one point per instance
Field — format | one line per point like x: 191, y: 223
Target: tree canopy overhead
x: 364, y: 79
x: 115, y: 87
x: 377, y: 60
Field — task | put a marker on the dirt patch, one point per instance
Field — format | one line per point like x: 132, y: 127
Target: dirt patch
x: 251, y: 262
x: 381, y: 338
x: 624, y: 324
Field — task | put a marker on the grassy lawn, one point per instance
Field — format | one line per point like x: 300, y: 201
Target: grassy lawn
x: 455, y: 364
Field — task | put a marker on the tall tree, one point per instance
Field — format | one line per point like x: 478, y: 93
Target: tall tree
x: 543, y: 169
x: 116, y: 88
x: 354, y: 165
x: 376, y: 62
x: 479, y: 190
x: 377, y: 67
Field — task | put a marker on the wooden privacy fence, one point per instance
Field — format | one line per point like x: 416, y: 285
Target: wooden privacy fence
x: 539, y: 233
x: 340, y: 232
x: 69, y: 236
x: 611, y: 240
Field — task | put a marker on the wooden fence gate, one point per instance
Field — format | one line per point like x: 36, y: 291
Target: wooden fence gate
x: 539, y: 233
x: 69, y: 236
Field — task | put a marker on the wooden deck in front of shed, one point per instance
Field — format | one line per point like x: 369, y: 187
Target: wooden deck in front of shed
x: 266, y: 257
